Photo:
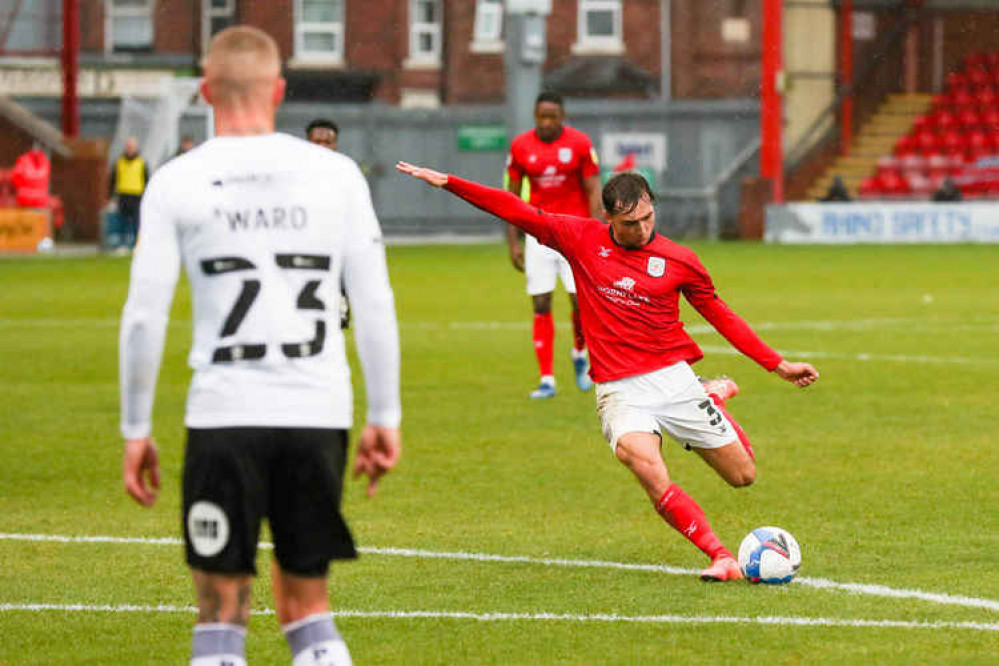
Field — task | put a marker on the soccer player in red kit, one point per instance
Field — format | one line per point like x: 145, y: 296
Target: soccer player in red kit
x: 560, y: 166
x: 630, y: 280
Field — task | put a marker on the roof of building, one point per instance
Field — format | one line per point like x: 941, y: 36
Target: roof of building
x: 601, y: 76
x: 40, y: 130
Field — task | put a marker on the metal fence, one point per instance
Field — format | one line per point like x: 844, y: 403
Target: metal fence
x: 710, y: 147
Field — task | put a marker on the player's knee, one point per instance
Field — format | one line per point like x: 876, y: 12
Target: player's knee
x: 744, y: 476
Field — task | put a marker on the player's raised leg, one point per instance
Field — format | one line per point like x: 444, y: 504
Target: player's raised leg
x: 721, y: 390
x: 223, y: 613
x: 641, y: 453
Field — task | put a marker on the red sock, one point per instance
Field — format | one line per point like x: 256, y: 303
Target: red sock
x: 544, y: 342
x: 681, y: 511
x: 739, y: 432
x: 578, y: 342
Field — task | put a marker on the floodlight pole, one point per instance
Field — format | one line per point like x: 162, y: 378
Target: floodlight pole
x: 523, y: 59
x: 70, y: 67
x: 771, y: 108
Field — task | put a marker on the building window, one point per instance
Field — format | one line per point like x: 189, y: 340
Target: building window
x: 217, y: 15
x: 319, y: 30
x: 488, y: 21
x: 129, y: 25
x: 425, y: 31
x: 599, y: 26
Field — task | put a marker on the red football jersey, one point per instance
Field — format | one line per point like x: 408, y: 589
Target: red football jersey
x: 555, y: 170
x: 628, y: 299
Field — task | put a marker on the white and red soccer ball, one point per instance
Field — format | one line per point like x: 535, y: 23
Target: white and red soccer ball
x: 769, y: 555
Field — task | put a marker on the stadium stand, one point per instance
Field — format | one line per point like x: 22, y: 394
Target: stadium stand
x: 906, y: 152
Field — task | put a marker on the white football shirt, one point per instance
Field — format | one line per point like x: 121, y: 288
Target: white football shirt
x: 265, y: 227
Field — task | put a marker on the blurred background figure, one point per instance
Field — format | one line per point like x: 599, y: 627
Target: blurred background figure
x: 948, y: 191
x: 323, y: 132
x: 30, y: 177
x: 128, y: 181
x: 836, y: 192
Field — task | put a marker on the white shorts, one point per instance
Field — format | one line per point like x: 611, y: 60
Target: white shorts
x: 542, y: 266
x: 670, y: 399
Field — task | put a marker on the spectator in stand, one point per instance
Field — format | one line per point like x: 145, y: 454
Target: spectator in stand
x: 948, y: 191
x: 128, y: 181
x: 30, y: 178
x: 837, y: 192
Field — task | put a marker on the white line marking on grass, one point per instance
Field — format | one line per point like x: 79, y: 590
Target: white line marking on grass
x: 818, y: 583
x: 612, y: 618
x: 891, y: 358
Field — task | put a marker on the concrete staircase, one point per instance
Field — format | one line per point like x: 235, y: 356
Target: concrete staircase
x: 876, y: 139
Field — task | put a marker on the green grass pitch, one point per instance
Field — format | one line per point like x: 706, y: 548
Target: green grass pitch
x: 886, y: 471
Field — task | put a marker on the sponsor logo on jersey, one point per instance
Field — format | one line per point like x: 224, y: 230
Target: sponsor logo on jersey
x: 626, y: 283
x: 565, y: 155
x: 207, y: 528
x: 657, y: 266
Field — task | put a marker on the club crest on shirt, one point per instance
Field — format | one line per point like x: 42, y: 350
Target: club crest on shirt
x: 657, y: 266
x: 565, y: 155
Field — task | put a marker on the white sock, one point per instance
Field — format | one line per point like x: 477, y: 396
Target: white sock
x: 548, y: 379
x: 218, y: 644
x: 314, y: 641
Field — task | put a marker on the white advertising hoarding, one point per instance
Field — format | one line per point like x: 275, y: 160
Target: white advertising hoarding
x: 883, y: 222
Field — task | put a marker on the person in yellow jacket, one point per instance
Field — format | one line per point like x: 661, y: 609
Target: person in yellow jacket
x: 128, y: 181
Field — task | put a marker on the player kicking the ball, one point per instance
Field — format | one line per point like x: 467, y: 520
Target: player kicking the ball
x: 629, y: 280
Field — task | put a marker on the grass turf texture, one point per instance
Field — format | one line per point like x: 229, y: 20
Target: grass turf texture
x: 885, y: 471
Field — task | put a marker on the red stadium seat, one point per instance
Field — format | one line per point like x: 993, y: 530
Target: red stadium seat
x: 985, y: 98
x: 978, y: 77
x: 906, y: 145
x: 977, y: 140
x: 955, y: 80
x: 990, y: 119
x: 926, y: 121
x: 944, y: 119
x: 968, y: 118
x: 869, y: 188
x: 926, y: 141
x: 962, y: 97
x: 889, y: 162
x: 992, y: 60
x: 972, y: 60
x: 911, y: 162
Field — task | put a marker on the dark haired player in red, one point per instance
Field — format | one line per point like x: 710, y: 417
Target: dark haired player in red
x: 630, y: 280
x: 560, y: 167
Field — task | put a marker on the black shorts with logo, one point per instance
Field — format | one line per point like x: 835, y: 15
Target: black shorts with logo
x: 234, y: 477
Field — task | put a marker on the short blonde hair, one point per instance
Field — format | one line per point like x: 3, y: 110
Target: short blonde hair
x: 239, y: 60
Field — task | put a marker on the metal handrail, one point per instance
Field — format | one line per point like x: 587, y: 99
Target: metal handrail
x: 889, y: 43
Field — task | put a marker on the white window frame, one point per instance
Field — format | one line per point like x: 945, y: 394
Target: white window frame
x: 303, y: 28
x: 586, y: 43
x: 491, y: 42
x: 208, y: 13
x: 416, y: 58
x: 111, y: 13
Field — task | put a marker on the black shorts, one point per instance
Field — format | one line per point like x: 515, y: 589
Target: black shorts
x: 234, y: 477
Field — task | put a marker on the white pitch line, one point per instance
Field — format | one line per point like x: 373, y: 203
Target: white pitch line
x: 818, y: 583
x: 609, y: 618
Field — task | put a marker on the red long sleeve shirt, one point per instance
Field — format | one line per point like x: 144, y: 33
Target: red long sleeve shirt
x: 628, y: 299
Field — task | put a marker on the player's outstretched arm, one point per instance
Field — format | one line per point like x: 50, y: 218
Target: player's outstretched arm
x: 435, y: 178
x: 799, y: 374
x: 140, y: 470
x: 377, y: 453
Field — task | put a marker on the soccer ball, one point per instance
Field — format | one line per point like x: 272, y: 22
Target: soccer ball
x: 769, y: 555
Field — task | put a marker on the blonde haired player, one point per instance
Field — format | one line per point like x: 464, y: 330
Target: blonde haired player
x: 265, y: 225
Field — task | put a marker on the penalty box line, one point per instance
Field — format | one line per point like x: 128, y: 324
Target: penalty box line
x: 611, y: 618
x: 817, y: 583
